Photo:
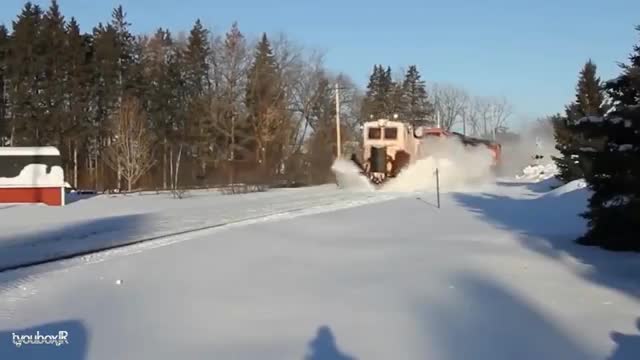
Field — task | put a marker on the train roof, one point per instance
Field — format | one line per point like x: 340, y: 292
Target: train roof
x: 29, y: 151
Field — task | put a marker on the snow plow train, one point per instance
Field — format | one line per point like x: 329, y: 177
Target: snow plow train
x: 390, y: 146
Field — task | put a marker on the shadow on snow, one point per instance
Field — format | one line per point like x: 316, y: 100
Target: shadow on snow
x: 484, y: 320
x: 550, y: 224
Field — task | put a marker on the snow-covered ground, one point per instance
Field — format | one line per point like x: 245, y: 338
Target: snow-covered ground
x: 332, y: 274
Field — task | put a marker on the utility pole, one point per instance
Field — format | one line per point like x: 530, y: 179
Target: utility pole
x: 338, y: 142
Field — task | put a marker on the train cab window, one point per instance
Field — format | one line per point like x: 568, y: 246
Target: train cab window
x: 374, y: 133
x: 391, y: 133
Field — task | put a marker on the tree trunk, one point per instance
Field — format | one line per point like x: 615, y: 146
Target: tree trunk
x: 164, y: 165
x: 177, y: 167
x: 171, y: 167
x: 129, y: 184
x: 119, y: 184
x: 75, y: 166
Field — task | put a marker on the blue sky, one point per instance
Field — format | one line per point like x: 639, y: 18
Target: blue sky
x: 528, y: 51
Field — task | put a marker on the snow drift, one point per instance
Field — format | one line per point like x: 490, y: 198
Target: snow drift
x: 538, y: 172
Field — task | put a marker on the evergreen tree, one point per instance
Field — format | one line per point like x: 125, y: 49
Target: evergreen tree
x: 390, y: 93
x: 54, y: 81
x: 573, y: 140
x: 198, y: 86
x: 24, y: 68
x: 567, y: 164
x: 416, y: 105
x: 78, y: 73
x: 382, y: 96
x: 196, y: 60
x: 125, y: 47
x: 4, y: 43
x: 106, y: 89
x: 264, y: 101
x: 233, y: 64
x: 615, y: 204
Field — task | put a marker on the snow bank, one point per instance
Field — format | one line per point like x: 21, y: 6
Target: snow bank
x: 538, y: 172
x: 35, y: 175
x: 568, y: 187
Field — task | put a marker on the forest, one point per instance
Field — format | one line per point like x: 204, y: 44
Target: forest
x: 197, y: 109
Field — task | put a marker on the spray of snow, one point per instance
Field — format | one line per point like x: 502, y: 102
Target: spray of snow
x: 459, y: 167
x: 348, y: 176
x: 535, y: 138
x: 35, y: 175
x: 528, y: 156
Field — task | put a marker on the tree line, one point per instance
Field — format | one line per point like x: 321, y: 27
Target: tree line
x: 447, y: 105
x: 165, y: 109
x: 598, y: 138
x: 196, y: 108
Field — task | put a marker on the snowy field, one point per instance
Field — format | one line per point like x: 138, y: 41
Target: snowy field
x: 321, y: 274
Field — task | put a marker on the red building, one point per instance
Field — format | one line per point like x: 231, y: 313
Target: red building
x: 31, y: 175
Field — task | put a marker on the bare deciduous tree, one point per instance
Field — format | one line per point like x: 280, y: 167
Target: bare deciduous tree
x: 450, y: 103
x: 471, y: 117
x: 131, y: 151
x: 494, y: 113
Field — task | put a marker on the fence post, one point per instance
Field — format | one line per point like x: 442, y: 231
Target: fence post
x: 438, y: 186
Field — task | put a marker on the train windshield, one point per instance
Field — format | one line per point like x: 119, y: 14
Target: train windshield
x: 391, y: 133
x: 374, y: 133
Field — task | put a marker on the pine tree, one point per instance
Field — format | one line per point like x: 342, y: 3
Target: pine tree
x: 615, y: 204
x: 78, y: 72
x: 390, y: 93
x: 233, y: 69
x: 196, y: 55
x: 4, y: 43
x: 125, y: 46
x: 567, y: 164
x: 417, y: 108
x: 24, y: 69
x: 382, y: 96
x: 53, y: 43
x: 198, y: 85
x: 371, y: 109
x: 106, y: 58
x: 264, y: 101
x: 572, y: 138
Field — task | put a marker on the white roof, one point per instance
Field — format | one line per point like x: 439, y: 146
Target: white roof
x: 29, y: 151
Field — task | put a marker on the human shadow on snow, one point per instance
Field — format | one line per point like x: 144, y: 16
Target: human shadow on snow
x: 550, y: 224
x: 627, y: 346
x: 323, y: 347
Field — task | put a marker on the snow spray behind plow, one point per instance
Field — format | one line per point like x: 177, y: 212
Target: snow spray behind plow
x: 460, y: 167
